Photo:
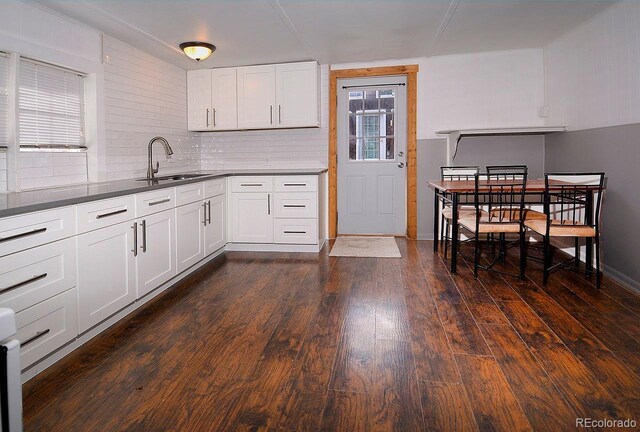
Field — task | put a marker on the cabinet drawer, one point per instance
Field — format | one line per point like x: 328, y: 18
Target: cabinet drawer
x: 47, y: 326
x: 29, y: 277
x: 100, y: 214
x: 214, y: 188
x: 189, y: 193
x: 155, y: 201
x: 296, y: 183
x: 34, y: 229
x: 299, y: 205
x: 251, y: 184
x: 296, y: 231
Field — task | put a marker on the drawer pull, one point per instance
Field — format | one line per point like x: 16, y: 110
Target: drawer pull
x: 144, y: 236
x: 25, y: 234
x: 251, y: 184
x: 204, y: 205
x: 135, y: 239
x: 23, y: 283
x: 294, y: 184
x: 295, y: 232
x: 209, y: 207
x: 166, y: 200
x: 294, y: 205
x: 113, y: 213
x: 35, y: 337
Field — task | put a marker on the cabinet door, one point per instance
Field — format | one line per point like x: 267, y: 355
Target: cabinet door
x: 297, y: 95
x: 214, y: 231
x: 106, y: 273
x: 199, y: 100
x: 224, y: 101
x: 156, y: 262
x: 189, y: 234
x: 256, y: 97
x: 251, y: 218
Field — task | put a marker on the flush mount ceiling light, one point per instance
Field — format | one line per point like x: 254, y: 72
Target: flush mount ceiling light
x: 197, y: 50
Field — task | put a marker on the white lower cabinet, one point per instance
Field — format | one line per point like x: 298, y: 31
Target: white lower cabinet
x: 190, y: 234
x: 156, y: 259
x: 214, y: 230
x: 106, y: 273
x: 251, y: 217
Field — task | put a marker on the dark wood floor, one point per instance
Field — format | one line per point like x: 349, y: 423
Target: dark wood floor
x: 311, y: 342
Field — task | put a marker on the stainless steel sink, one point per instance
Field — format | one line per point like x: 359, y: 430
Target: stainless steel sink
x: 174, y: 177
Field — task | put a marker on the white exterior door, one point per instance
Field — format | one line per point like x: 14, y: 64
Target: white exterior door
x: 189, y: 234
x: 156, y: 250
x: 256, y: 97
x: 372, y: 156
x: 297, y: 94
x: 106, y: 273
x: 224, y: 101
x: 252, y: 218
x: 214, y: 231
x: 199, y: 100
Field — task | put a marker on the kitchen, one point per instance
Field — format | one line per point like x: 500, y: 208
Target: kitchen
x: 255, y: 237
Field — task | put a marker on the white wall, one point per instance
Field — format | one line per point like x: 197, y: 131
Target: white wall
x: 593, y: 71
x: 145, y: 97
x: 271, y: 148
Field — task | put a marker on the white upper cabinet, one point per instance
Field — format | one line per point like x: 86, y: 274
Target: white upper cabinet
x: 224, y: 103
x: 297, y: 94
x: 211, y: 99
x: 256, y: 97
x: 199, y: 94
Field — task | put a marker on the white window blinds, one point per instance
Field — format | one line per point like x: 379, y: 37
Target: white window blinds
x: 4, y: 72
x: 51, y: 107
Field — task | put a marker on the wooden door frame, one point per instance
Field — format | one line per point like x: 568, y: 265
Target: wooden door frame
x: 411, y: 72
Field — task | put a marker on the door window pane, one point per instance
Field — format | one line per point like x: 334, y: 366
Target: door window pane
x: 371, y: 125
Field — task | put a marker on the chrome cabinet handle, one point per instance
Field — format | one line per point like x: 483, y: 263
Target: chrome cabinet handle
x: 166, y: 200
x: 295, y: 232
x: 204, y: 205
x: 209, y: 206
x: 294, y: 206
x: 207, y: 117
x: 144, y: 236
x: 214, y: 117
x: 135, y: 239
x: 279, y: 114
x: 271, y: 114
x: 113, y: 213
x: 23, y: 283
x: 25, y: 234
x: 294, y: 184
x: 268, y: 204
x: 250, y: 184
x: 35, y: 337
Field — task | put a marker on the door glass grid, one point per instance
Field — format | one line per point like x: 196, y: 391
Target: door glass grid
x: 371, y: 125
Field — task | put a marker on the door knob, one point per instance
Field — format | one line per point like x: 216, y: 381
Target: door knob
x: 400, y: 164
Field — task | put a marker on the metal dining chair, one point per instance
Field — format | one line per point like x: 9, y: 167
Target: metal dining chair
x: 572, y: 206
x: 454, y: 173
x: 495, y: 192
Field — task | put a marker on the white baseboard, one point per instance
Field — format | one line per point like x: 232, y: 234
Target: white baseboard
x: 85, y: 337
x: 257, y: 247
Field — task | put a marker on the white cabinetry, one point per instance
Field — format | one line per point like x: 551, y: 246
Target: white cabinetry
x: 156, y: 259
x: 252, y: 221
x: 297, y: 94
x: 190, y: 234
x: 106, y: 272
x: 215, y: 227
x: 256, y: 97
x: 211, y: 99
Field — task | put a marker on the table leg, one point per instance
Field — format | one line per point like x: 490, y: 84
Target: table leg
x: 454, y: 232
x: 436, y: 219
x: 589, y: 242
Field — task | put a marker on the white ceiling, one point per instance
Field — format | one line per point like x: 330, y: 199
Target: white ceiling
x: 330, y: 31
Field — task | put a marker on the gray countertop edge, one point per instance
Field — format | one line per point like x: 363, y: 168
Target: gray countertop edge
x: 119, y: 188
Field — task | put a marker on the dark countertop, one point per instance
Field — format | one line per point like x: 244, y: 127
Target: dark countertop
x: 42, y: 199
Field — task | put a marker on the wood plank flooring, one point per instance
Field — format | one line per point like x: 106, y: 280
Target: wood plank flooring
x: 306, y: 342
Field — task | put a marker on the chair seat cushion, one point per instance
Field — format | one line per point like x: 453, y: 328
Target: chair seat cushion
x: 489, y: 226
x: 514, y: 214
x: 567, y: 230
x: 447, y: 212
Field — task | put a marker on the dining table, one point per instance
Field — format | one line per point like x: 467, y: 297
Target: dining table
x: 462, y: 192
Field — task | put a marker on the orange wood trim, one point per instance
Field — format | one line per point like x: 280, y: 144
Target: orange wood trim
x: 411, y: 71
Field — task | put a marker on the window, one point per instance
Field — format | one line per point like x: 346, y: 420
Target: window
x: 51, y: 108
x: 4, y: 99
x: 371, y: 129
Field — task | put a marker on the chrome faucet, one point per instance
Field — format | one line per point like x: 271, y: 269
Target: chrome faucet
x: 151, y: 171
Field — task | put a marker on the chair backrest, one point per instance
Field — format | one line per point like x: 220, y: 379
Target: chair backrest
x: 452, y: 173
x: 568, y: 196
x: 502, y: 198
x: 507, y: 172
